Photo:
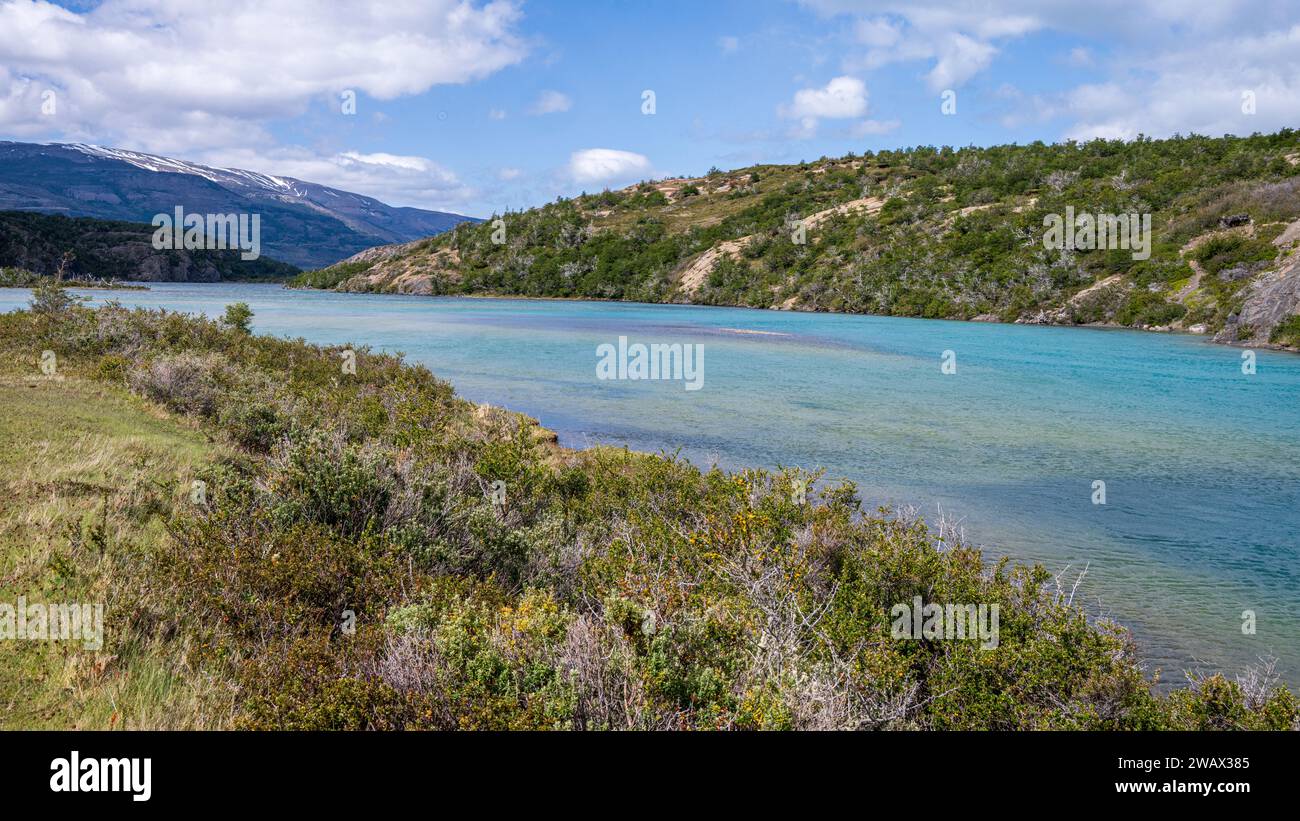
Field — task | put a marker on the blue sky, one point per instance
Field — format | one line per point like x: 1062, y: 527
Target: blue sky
x: 476, y: 107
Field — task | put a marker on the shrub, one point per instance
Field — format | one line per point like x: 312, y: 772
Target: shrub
x: 1230, y: 250
x: 238, y: 317
x: 49, y: 297
x: 322, y: 479
x: 1287, y: 332
x: 254, y: 424
x: 1146, y: 308
x: 184, y: 382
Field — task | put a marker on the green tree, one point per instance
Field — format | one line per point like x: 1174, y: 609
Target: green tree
x: 238, y: 317
x: 49, y: 296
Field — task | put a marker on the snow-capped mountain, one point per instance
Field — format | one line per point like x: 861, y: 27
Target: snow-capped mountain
x: 303, y: 223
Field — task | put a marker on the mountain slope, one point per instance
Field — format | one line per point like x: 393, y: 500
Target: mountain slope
x: 928, y: 232
x: 302, y: 223
x: 103, y: 249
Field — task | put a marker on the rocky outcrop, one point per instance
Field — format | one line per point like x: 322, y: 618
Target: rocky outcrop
x: 1270, y: 299
x: 694, y: 274
x: 394, y: 270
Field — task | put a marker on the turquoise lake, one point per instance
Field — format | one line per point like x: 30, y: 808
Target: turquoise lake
x: 1201, y: 462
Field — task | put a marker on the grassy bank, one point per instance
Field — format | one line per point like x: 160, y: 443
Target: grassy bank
x: 371, y: 551
x: 90, y: 475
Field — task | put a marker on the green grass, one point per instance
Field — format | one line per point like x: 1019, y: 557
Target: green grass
x: 85, y: 464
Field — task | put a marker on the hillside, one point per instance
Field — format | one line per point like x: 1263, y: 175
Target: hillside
x: 105, y: 250
x: 281, y: 543
x: 303, y: 223
x: 923, y: 232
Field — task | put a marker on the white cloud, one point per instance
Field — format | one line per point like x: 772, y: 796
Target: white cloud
x: 551, y: 102
x: 961, y: 39
x: 878, y: 32
x: 868, y: 128
x: 1169, y: 66
x: 1185, y: 91
x: 507, y: 174
x: 394, y: 179
x: 841, y: 98
x: 1079, y: 57
x: 172, y: 76
x: 960, y: 58
x: 1169, y: 91
x: 592, y: 165
x: 956, y: 38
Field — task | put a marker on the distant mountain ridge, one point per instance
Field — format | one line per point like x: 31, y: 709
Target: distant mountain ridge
x: 303, y: 223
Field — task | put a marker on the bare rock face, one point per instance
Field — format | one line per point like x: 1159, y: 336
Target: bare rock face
x: 152, y: 266
x: 1270, y: 299
x: 381, y: 252
x: 418, y: 284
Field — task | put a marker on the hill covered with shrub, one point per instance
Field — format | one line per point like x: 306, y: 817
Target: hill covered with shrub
x: 110, y: 250
x: 927, y: 232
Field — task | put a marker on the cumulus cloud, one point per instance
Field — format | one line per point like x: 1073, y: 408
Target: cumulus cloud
x: 394, y: 179
x: 1183, y: 92
x: 841, y: 98
x: 959, y: 59
x: 1184, y: 68
x: 1174, y: 91
x: 161, y: 61
x: 191, y: 78
x: 550, y: 102
x: 596, y: 165
x: 870, y: 128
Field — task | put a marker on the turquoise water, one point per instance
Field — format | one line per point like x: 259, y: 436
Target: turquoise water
x: 1201, y: 462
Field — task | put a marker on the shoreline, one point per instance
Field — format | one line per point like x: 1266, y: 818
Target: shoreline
x: 1098, y: 326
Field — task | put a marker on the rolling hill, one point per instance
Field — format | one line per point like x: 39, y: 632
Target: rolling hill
x: 940, y: 232
x: 111, y: 250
